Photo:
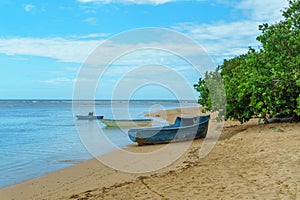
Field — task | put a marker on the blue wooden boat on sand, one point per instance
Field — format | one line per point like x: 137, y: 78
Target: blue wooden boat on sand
x: 184, y: 128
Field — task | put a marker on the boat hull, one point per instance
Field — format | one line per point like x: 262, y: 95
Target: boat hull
x: 124, y: 123
x: 174, y: 133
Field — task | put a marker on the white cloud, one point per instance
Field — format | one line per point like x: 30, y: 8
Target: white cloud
x: 87, y: 1
x: 223, y: 40
x: 89, y: 36
x: 77, y: 50
x: 58, y: 80
x: 91, y: 21
x: 266, y: 10
x: 29, y: 7
x: 151, y: 2
x: 64, y: 50
x: 72, y: 69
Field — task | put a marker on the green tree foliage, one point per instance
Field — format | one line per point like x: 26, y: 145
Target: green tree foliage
x: 265, y: 82
x: 212, y: 93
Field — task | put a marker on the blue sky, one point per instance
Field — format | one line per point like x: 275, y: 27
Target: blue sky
x: 44, y: 44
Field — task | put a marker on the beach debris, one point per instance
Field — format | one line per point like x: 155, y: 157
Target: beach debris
x: 276, y: 129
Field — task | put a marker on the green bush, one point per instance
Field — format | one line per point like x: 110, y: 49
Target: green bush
x: 262, y: 83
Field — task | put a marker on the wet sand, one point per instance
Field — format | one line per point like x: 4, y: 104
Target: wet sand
x: 249, y: 161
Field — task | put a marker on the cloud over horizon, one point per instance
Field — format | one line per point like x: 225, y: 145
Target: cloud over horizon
x: 220, y: 39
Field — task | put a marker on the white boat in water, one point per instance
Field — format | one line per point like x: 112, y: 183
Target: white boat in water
x: 126, y: 123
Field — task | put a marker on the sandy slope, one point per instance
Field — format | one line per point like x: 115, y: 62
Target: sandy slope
x: 249, y: 161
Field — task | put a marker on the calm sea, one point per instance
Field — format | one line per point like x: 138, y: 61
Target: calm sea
x: 40, y: 136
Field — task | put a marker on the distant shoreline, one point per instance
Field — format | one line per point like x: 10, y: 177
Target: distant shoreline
x: 163, y: 100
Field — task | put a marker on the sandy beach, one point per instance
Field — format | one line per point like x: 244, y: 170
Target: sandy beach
x: 249, y: 161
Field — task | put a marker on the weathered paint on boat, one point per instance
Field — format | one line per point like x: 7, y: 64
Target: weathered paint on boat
x: 126, y: 123
x: 184, y: 128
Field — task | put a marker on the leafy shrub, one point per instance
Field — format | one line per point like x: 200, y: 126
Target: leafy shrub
x: 265, y: 82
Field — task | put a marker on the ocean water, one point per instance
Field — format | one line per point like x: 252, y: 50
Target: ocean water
x: 41, y: 136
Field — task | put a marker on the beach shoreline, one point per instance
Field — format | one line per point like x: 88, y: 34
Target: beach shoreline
x: 248, y: 161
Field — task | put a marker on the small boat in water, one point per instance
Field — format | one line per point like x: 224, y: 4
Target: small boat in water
x: 126, y: 123
x: 184, y: 128
x: 86, y: 117
x: 90, y: 116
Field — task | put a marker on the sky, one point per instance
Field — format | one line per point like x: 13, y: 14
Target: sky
x: 46, y: 46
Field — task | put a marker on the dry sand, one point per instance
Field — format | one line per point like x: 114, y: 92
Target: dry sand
x: 249, y: 161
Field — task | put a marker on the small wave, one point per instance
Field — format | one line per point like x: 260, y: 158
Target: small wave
x: 39, y: 124
x: 72, y: 161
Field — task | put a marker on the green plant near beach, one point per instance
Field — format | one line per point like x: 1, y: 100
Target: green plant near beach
x: 212, y: 94
x: 263, y: 82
